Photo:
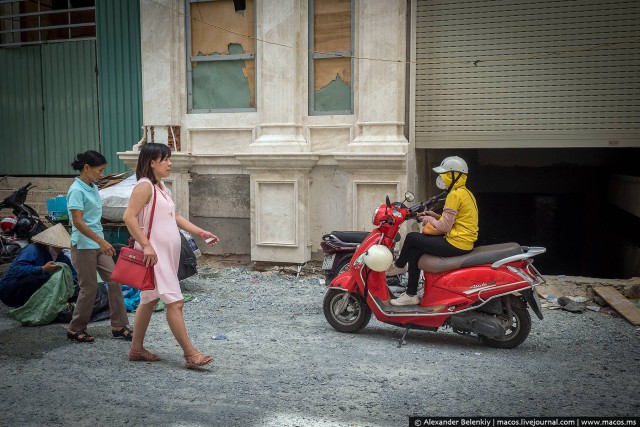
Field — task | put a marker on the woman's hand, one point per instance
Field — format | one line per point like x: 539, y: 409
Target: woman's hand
x: 150, y: 256
x: 50, y: 267
x: 209, y: 238
x: 106, y: 248
x: 422, y: 215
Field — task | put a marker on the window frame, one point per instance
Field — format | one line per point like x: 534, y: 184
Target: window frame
x: 13, y: 32
x: 213, y: 58
x: 340, y: 54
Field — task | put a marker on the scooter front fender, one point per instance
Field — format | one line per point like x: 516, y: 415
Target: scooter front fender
x: 344, y: 281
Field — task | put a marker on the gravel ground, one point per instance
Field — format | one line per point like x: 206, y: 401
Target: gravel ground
x: 283, y: 365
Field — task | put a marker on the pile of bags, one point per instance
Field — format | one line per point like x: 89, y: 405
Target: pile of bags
x: 115, y: 198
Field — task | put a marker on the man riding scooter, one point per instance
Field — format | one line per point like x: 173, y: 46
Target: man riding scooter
x: 448, y: 235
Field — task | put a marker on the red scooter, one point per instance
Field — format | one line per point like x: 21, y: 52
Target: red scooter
x: 485, y: 292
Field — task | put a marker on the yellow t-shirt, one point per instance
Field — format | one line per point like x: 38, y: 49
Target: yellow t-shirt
x: 464, y: 231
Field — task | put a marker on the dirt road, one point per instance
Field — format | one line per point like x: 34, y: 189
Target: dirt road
x: 281, y: 364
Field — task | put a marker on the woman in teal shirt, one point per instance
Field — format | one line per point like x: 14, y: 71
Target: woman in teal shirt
x: 90, y: 252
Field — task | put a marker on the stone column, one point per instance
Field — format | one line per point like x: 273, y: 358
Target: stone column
x: 163, y: 63
x: 280, y: 102
x: 278, y: 160
x: 380, y: 89
x: 162, y: 29
x: 376, y: 158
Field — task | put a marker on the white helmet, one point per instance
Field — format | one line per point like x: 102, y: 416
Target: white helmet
x: 452, y: 163
x: 378, y: 258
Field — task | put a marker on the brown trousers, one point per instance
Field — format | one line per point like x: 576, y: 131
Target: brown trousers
x: 87, y: 262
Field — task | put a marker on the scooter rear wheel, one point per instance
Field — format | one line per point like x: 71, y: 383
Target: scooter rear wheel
x: 345, y: 311
x: 518, y: 331
x: 342, y: 267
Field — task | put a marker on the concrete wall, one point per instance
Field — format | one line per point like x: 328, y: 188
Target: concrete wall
x: 37, y: 198
x: 220, y: 203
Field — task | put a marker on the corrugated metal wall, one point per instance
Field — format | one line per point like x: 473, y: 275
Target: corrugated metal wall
x: 49, y: 106
x: 49, y: 98
x: 21, y: 111
x: 527, y: 73
x: 119, y: 78
x: 70, y: 103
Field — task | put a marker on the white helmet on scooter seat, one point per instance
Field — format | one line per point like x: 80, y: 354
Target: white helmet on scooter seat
x: 378, y: 258
x: 452, y: 164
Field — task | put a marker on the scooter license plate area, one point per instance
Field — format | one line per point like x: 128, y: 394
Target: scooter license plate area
x: 328, y: 261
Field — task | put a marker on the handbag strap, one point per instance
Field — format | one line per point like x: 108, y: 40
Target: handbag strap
x: 153, y: 210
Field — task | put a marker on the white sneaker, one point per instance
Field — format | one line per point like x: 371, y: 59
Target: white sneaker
x: 405, y: 299
x: 395, y: 271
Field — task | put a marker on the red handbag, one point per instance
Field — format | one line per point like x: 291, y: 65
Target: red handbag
x: 130, y: 268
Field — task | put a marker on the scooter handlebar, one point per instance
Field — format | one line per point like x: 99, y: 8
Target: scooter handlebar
x: 18, y: 197
x: 427, y: 204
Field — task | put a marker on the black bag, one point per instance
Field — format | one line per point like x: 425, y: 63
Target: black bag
x: 100, y: 306
x: 188, y: 263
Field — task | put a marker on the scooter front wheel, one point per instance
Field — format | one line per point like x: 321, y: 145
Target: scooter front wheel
x: 345, y: 311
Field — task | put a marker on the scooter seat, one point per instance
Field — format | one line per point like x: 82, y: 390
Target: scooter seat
x: 481, y: 255
x: 354, y: 236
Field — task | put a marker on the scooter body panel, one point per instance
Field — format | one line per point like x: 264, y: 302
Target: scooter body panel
x: 458, y: 289
x: 344, y: 281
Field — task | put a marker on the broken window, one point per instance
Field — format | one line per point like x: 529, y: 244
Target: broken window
x: 221, y: 66
x: 330, y: 59
x: 29, y: 22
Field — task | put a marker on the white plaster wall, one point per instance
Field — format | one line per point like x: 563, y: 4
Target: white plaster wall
x: 344, y: 154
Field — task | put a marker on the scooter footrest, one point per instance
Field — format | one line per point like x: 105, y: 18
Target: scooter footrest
x: 408, y: 309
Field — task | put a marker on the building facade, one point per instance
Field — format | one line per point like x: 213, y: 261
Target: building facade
x: 292, y: 118
x: 303, y: 136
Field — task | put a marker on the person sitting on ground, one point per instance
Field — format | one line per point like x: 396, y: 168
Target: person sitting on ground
x: 451, y: 234
x: 34, y: 265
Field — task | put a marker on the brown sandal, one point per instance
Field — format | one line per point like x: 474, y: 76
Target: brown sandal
x: 123, y: 332
x: 196, y: 360
x: 143, y: 356
x: 80, y: 336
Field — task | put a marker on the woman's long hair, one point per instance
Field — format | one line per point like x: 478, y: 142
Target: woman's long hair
x: 151, y: 151
x: 91, y: 158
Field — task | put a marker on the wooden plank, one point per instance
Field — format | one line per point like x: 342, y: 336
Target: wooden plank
x: 620, y: 304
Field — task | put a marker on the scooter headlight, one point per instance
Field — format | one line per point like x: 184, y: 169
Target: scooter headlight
x: 373, y: 216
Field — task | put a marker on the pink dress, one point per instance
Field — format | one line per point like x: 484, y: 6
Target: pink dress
x: 165, y: 239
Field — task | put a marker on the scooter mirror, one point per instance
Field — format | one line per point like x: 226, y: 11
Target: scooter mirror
x: 388, y: 202
x: 409, y: 197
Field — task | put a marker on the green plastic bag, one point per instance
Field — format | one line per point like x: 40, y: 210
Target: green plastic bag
x: 45, y: 304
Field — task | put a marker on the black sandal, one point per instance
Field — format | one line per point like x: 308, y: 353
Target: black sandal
x: 80, y: 336
x: 124, y: 332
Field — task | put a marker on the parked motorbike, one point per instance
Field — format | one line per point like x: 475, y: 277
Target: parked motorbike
x: 486, y: 292
x: 27, y: 224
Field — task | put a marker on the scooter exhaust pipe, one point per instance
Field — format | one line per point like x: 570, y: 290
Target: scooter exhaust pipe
x: 478, y: 323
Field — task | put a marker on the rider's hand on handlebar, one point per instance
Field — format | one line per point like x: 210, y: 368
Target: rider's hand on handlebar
x: 421, y: 216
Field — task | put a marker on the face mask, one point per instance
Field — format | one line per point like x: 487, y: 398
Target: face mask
x: 440, y: 183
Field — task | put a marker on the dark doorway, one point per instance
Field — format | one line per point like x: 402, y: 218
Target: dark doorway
x: 556, y: 198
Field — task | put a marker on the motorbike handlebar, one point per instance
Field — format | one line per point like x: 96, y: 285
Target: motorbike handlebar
x: 18, y: 197
x: 427, y: 204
